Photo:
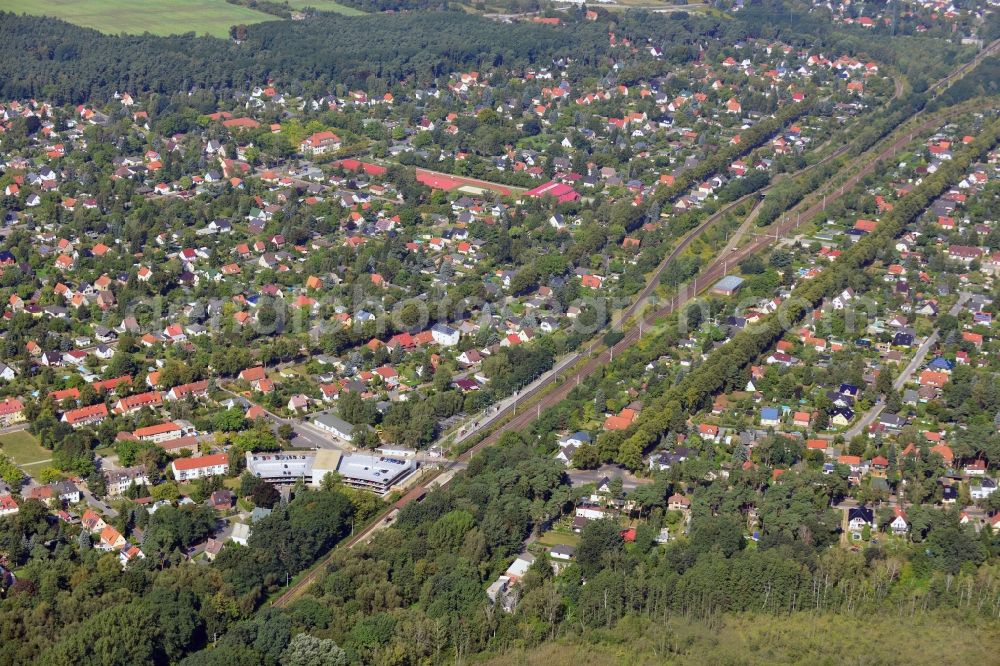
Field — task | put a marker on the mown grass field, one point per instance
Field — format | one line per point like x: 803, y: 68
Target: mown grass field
x: 23, y: 448
x: 326, y: 6
x: 160, y: 17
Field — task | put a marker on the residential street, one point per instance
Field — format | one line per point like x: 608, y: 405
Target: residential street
x: 916, y: 362
x: 581, y: 477
x: 98, y: 505
x: 306, y: 434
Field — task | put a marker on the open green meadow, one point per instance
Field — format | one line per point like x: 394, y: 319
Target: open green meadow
x: 160, y: 17
x: 326, y: 6
x: 23, y: 448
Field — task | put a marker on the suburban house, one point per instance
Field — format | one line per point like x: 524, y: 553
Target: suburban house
x: 983, y: 489
x: 110, y: 539
x: 569, y: 444
x: 119, y: 480
x: 194, y: 389
x: 161, y: 432
x: 770, y: 416
x: 444, y: 335
x: 222, y: 499
x: 8, y: 506
x: 298, y: 403
x: 858, y: 518
x: 320, y: 143
x: 134, y: 403
x: 591, y: 512
x: 11, y: 412
x: 708, y: 431
x: 128, y: 553
x: 621, y: 421
x: 677, y: 502
x: 92, y: 522
x: 60, y: 491
x: 240, y: 533
x: 335, y: 425
x: 899, y: 524
x: 7, y: 373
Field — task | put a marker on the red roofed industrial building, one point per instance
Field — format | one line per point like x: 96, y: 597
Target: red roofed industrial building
x: 562, y: 192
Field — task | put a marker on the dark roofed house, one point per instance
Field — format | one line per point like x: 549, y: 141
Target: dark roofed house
x: 222, y: 499
x: 336, y: 426
x: 902, y: 339
x: 858, y: 518
x: 841, y: 415
x: 892, y: 421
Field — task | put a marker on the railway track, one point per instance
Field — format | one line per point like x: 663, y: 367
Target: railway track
x: 988, y: 50
x: 712, y: 273
x: 715, y: 270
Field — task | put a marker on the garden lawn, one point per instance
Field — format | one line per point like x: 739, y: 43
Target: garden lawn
x: 559, y: 538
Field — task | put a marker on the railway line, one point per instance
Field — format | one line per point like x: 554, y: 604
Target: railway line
x: 564, y: 384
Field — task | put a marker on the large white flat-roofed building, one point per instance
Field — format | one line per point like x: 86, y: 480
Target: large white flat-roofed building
x: 327, y: 462
x: 374, y: 472
x: 282, y: 466
x: 370, y: 471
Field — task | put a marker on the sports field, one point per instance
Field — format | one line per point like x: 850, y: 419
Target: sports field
x: 160, y: 17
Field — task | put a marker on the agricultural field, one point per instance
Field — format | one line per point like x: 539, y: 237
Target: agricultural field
x: 163, y: 17
x: 23, y: 448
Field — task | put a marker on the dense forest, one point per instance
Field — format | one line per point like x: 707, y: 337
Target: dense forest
x: 74, y: 604
x: 984, y: 80
x: 63, y: 63
x: 415, y: 593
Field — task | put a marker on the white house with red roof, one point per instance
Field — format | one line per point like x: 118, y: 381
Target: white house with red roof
x: 8, y: 505
x: 91, y: 415
x: 899, y: 524
x: 187, y: 469
x: 320, y: 143
x: 194, y: 389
